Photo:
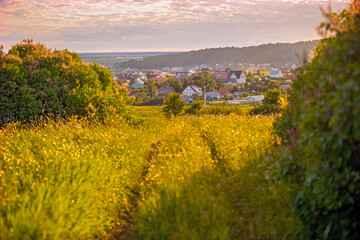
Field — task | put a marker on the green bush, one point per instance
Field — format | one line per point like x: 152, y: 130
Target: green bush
x: 196, y: 107
x: 226, y: 110
x: 35, y: 81
x: 320, y: 130
x: 174, y: 105
x: 270, y: 103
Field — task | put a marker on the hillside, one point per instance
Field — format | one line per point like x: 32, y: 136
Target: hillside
x: 275, y: 54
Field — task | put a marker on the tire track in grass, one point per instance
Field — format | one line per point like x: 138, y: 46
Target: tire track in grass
x: 123, y: 231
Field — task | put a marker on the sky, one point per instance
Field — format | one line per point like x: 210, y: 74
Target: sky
x: 157, y: 25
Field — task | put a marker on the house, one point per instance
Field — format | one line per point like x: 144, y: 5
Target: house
x: 239, y: 76
x: 258, y: 98
x: 213, y: 95
x: 276, y: 73
x: 133, y: 94
x: 242, y: 90
x: 150, y: 75
x: 165, y: 90
x: 224, y: 91
x: 158, y: 79
x: 284, y: 87
x: 181, y: 76
x: 231, y: 82
x: 251, y: 68
x: 293, y: 67
x: 192, y: 90
x: 136, y: 85
x: 221, y: 73
x: 187, y: 99
x: 124, y: 82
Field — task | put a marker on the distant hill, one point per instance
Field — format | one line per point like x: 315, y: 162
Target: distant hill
x: 276, y: 54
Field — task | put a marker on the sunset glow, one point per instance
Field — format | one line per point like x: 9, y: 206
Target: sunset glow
x: 148, y: 25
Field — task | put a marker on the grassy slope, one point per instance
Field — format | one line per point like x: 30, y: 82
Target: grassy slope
x: 185, y: 178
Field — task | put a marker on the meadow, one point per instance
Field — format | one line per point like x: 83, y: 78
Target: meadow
x: 190, y: 177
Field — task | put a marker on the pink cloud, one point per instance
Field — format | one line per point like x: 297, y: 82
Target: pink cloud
x: 87, y: 24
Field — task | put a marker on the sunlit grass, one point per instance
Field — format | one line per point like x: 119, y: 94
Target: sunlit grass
x: 148, y: 111
x: 188, y: 177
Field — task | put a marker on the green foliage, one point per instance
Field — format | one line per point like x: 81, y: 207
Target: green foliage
x: 270, y: 103
x: 186, y: 83
x: 174, y: 105
x: 175, y: 83
x: 226, y: 110
x: 196, y: 107
x: 320, y: 130
x: 35, y: 81
x: 203, y: 79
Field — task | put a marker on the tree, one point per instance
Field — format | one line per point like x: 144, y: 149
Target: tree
x: 199, y: 81
x: 270, y: 105
x: 320, y: 132
x: 173, y: 82
x: 35, y: 81
x: 174, y: 105
x: 204, y: 79
x: 151, y: 88
x: 177, y: 85
x: 235, y: 89
x: 273, y: 85
x: 196, y: 107
x: 132, y: 81
x: 186, y: 83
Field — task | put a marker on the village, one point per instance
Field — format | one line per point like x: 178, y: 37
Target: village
x: 244, y: 86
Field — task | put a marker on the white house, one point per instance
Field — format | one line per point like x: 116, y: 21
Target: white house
x: 258, y: 98
x: 187, y: 99
x: 293, y: 67
x: 276, y: 73
x: 192, y: 90
x: 212, y: 95
x: 238, y: 76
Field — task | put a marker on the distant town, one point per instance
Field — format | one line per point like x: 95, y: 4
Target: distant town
x: 243, y: 85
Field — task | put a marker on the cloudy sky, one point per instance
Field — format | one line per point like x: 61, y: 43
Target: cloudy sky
x: 158, y: 25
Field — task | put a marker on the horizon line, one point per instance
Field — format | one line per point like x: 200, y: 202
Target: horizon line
x: 188, y: 50
x: 169, y: 50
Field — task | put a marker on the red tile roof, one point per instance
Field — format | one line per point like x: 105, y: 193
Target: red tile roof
x: 224, y: 91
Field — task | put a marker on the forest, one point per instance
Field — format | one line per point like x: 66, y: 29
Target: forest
x: 274, y: 54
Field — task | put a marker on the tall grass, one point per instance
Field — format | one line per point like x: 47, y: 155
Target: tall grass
x: 184, y: 178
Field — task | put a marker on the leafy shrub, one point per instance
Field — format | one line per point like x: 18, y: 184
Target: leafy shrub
x: 174, y: 105
x: 226, y: 110
x: 320, y: 129
x: 270, y: 103
x: 196, y: 107
x: 220, y: 109
x: 35, y: 81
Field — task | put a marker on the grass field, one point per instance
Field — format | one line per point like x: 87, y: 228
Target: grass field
x: 148, y: 111
x: 156, y: 111
x: 190, y: 177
